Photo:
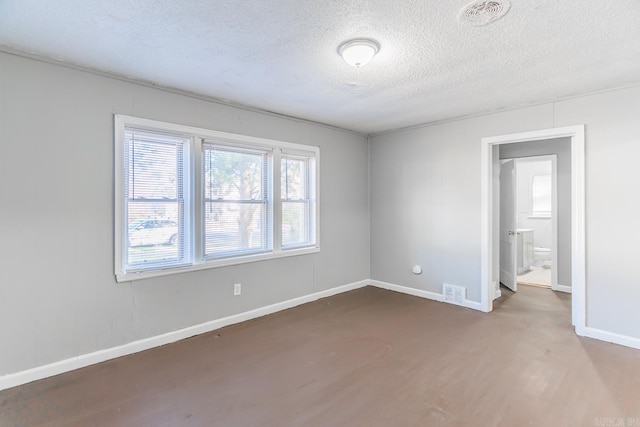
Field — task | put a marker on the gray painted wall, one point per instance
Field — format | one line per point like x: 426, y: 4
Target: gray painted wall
x: 58, y: 295
x: 425, y: 201
x: 561, y: 147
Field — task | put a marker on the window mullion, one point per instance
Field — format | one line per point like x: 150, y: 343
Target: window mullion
x: 197, y: 200
x: 277, y: 200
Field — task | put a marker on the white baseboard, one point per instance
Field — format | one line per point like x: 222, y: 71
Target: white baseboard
x: 23, y: 377
x: 422, y: 294
x: 498, y: 293
x: 474, y: 305
x: 407, y: 290
x: 562, y: 288
x: 611, y: 337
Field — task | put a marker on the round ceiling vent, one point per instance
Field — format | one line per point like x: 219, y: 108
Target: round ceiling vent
x: 483, y: 12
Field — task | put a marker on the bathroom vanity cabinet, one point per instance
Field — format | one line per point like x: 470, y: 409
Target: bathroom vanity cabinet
x: 525, y: 250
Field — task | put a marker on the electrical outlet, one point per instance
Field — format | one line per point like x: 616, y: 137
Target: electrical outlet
x: 237, y: 289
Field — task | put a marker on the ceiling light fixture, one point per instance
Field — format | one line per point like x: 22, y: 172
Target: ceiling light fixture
x: 358, y: 52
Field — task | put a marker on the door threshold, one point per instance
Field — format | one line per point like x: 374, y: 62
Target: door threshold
x: 537, y: 285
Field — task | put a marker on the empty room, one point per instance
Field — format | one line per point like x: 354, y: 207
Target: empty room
x: 333, y: 213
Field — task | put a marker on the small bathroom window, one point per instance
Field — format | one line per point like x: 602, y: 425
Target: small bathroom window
x: 541, y: 196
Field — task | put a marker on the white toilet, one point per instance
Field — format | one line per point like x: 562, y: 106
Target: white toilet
x: 542, y: 257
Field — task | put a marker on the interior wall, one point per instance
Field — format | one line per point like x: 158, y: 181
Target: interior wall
x: 425, y: 200
x: 58, y: 294
x: 561, y: 147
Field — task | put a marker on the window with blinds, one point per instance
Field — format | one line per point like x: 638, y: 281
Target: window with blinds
x: 236, y: 200
x: 154, y: 199
x: 298, y: 199
x: 190, y: 198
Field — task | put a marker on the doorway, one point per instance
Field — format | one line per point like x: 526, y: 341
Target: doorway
x: 490, y: 237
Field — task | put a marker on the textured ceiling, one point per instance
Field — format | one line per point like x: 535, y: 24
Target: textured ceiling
x: 281, y: 55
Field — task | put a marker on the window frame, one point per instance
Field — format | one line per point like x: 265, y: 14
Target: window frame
x: 195, y: 197
x: 266, y: 200
x: 183, y: 188
x: 309, y: 201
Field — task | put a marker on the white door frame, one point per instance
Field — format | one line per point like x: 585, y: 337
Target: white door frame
x: 489, y: 234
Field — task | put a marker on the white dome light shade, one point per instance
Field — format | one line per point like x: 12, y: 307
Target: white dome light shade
x: 358, y: 52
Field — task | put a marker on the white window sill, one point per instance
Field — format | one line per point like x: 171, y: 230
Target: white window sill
x: 539, y: 217
x: 206, y: 265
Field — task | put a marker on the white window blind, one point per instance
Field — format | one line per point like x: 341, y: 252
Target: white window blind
x: 154, y: 199
x: 237, y: 208
x: 297, y: 192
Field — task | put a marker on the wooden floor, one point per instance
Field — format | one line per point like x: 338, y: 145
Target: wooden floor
x: 369, y: 357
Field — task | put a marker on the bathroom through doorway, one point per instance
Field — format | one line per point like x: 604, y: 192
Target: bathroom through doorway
x: 536, y: 220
